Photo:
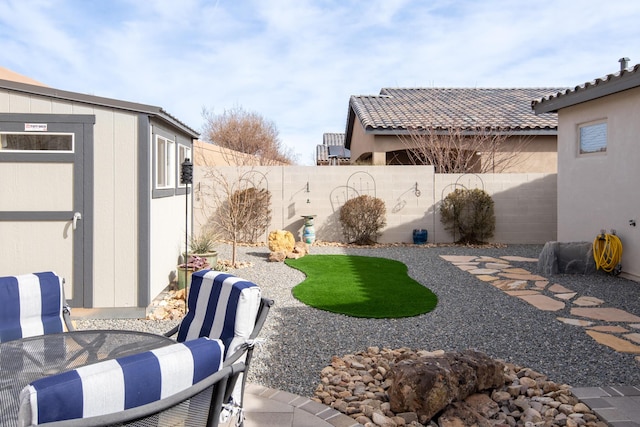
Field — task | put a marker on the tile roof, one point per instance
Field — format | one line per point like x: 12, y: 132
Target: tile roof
x: 626, y: 78
x: 398, y: 109
x: 333, y: 139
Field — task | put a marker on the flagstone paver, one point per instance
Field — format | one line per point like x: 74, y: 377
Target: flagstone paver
x: 588, y: 301
x: 543, y: 302
x: 576, y: 322
x: 590, y: 313
x: 566, y: 296
x: 633, y: 337
x: 605, y: 313
x: 609, y: 328
x: 519, y: 258
x: 486, y: 277
x: 618, y: 344
x: 559, y: 289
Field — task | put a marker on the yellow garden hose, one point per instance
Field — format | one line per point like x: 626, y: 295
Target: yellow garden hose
x: 607, y: 252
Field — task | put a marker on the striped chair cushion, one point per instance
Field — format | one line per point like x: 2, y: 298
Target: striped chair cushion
x: 220, y: 306
x: 30, y: 304
x: 115, y: 385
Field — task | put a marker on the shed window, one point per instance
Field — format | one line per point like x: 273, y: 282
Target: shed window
x: 36, y: 142
x: 593, y: 138
x: 165, y: 163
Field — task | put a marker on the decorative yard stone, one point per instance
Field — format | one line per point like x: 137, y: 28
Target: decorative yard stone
x: 281, y: 240
x: 277, y: 256
x: 567, y: 258
x: 518, y: 397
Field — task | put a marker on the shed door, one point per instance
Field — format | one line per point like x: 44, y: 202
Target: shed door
x: 44, y: 220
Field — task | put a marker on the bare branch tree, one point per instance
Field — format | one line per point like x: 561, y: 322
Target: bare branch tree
x: 237, y: 208
x: 466, y: 150
x: 247, y: 132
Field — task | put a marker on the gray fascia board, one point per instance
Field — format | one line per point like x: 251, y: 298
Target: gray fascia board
x: 98, y: 101
x: 589, y: 93
x: 406, y: 132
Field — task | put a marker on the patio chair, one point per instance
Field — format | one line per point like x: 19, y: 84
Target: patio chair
x: 33, y: 304
x: 226, y: 307
x: 180, y: 384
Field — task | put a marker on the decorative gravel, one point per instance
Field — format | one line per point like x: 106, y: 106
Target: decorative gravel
x: 299, y: 340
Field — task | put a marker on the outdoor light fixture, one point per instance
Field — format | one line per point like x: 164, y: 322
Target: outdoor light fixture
x: 186, y: 178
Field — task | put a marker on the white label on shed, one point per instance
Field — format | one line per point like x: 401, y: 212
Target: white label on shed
x: 35, y: 127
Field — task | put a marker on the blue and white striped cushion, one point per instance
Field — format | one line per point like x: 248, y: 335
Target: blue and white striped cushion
x: 115, y: 385
x: 220, y: 306
x: 30, y: 304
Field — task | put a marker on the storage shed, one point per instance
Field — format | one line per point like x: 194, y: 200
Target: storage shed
x: 90, y: 188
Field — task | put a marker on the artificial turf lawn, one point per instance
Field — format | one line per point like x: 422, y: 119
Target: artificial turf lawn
x: 361, y: 286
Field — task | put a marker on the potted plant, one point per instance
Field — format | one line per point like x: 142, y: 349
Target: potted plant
x: 203, y: 245
x: 185, y: 270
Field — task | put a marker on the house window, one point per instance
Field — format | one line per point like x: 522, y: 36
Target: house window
x: 593, y: 138
x: 165, y: 163
x: 184, y: 152
x: 22, y: 142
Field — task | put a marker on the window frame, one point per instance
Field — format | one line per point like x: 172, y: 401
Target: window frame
x: 181, y: 147
x: 592, y: 124
x: 43, y: 133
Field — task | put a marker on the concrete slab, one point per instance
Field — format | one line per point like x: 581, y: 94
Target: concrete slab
x: 510, y: 284
x: 543, y: 302
x: 483, y: 271
x: 618, y: 344
x: 541, y: 284
x: 514, y: 270
x: 467, y: 266
x: 605, y: 313
x: 635, y: 337
x: 499, y: 266
x: 522, y: 292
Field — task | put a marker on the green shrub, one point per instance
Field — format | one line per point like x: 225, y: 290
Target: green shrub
x: 362, y: 218
x: 468, y: 214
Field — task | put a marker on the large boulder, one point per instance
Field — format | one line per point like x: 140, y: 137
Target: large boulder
x: 566, y: 258
x: 281, y: 241
x: 426, y: 385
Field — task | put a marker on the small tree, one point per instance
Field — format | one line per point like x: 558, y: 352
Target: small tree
x: 459, y: 149
x: 362, y: 218
x: 246, y: 132
x: 238, y: 210
x: 469, y: 214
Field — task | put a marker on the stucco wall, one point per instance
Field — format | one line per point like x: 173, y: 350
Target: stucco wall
x: 525, y: 204
x: 535, y: 153
x: 600, y: 191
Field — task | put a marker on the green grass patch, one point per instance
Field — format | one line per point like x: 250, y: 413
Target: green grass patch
x: 361, y: 286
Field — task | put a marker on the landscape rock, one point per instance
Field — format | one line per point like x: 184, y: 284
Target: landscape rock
x: 372, y: 386
x: 281, y: 240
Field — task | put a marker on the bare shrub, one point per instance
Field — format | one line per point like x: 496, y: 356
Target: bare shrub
x: 362, y: 218
x: 469, y: 214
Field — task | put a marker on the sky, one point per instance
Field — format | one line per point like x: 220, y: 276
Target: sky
x: 297, y: 62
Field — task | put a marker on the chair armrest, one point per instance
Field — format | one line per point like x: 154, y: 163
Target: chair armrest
x: 171, y: 332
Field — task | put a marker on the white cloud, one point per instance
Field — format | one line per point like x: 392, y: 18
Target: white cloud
x: 297, y: 62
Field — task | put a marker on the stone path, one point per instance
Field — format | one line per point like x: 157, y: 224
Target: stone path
x: 609, y: 326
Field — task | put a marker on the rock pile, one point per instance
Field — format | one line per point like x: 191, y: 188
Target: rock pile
x: 282, y: 245
x: 403, y: 387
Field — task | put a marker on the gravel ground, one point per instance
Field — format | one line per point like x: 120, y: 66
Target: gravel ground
x: 299, y: 340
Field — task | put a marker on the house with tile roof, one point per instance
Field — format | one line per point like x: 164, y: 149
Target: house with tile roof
x: 379, y: 126
x: 91, y: 189
x: 332, y: 150
x: 598, y: 158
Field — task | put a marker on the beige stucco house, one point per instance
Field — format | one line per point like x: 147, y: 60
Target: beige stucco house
x: 379, y: 126
x: 598, y: 158
x: 91, y: 190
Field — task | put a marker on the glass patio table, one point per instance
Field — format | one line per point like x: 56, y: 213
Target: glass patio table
x: 25, y: 360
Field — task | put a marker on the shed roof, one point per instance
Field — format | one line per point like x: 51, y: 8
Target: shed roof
x: 627, y: 78
x: 97, y: 101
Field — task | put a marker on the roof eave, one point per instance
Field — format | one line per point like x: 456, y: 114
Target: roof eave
x: 97, y: 100
x: 528, y: 132
x: 587, y: 93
